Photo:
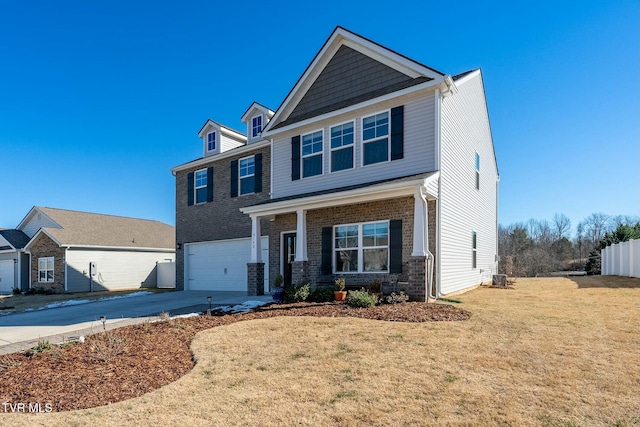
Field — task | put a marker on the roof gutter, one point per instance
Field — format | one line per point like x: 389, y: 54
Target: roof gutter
x: 234, y: 152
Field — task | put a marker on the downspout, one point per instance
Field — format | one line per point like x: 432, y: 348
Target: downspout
x: 430, y: 257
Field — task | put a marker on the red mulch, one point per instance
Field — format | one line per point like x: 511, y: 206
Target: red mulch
x: 127, y: 362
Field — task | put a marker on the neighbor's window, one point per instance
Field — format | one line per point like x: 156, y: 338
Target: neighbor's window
x: 211, y: 141
x: 200, y: 187
x: 342, y: 147
x: 477, y: 171
x: 247, y: 175
x: 256, y: 126
x: 375, y: 138
x: 474, y: 250
x: 45, y: 269
x: 361, y: 247
x: 312, y: 154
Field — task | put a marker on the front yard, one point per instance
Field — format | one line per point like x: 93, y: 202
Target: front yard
x: 551, y: 352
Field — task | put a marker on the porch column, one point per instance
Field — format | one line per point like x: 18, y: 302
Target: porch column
x: 256, y: 250
x: 419, y: 222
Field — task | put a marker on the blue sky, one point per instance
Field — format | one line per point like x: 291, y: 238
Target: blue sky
x: 100, y: 99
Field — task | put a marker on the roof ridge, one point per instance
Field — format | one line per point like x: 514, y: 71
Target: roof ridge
x: 100, y: 214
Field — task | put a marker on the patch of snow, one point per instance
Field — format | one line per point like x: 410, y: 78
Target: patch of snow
x: 241, y: 308
x: 185, y: 316
x: 86, y: 301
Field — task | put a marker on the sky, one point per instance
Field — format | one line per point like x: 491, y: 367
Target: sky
x: 100, y: 99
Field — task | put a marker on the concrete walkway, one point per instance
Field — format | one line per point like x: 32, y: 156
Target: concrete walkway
x: 21, y: 331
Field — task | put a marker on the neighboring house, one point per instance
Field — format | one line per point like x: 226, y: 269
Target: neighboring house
x: 14, y: 263
x: 71, y: 251
x: 375, y: 167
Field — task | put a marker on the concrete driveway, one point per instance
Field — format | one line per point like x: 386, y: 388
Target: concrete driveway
x: 21, y: 331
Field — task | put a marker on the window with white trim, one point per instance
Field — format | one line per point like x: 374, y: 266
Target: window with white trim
x: 200, y: 186
x: 312, y: 154
x: 477, y: 171
x: 361, y: 248
x: 474, y: 250
x: 45, y: 269
x: 342, y: 147
x: 375, y: 138
x: 256, y: 126
x: 211, y: 141
x: 247, y: 169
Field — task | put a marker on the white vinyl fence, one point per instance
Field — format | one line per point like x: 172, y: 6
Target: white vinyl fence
x: 622, y: 259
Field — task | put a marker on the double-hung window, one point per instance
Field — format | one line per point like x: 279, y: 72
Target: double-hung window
x: 256, y: 126
x: 247, y: 169
x: 45, y: 269
x: 375, y: 138
x: 211, y: 141
x: 312, y: 154
x: 477, y: 171
x: 361, y: 248
x: 342, y: 147
x: 474, y: 250
x: 200, y: 187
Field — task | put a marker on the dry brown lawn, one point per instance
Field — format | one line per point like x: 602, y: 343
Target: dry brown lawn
x: 551, y: 352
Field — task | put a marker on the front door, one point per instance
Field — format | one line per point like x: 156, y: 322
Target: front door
x: 288, y: 256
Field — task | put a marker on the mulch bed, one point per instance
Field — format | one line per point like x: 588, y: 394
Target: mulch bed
x: 128, y: 362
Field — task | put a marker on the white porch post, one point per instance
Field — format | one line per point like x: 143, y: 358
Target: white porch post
x: 256, y: 250
x: 301, y: 236
x: 419, y: 223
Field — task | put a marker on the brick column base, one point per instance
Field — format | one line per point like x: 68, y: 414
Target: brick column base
x: 418, y: 278
x: 300, y: 272
x: 255, y: 278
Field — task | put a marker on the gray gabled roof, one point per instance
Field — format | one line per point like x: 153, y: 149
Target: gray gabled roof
x: 91, y: 229
x: 16, y: 238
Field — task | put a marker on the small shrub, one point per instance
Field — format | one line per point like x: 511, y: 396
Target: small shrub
x: 375, y: 286
x: 16, y: 291
x: 322, y: 294
x: 278, y: 281
x: 107, y: 345
x: 361, y: 298
x: 7, y: 362
x: 40, y: 291
x: 297, y: 293
x: 42, y: 347
x: 340, y: 284
x: 396, y: 298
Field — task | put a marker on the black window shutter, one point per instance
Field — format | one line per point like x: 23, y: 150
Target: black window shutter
x: 257, y: 179
x: 397, y: 133
x: 295, y: 157
x: 395, y: 246
x: 210, y: 184
x: 190, y: 189
x: 234, y: 178
x: 327, y: 245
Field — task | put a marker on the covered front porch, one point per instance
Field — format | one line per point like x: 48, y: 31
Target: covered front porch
x: 382, y: 232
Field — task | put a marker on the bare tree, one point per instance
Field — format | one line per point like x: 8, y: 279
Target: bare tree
x: 594, y: 226
x: 561, y: 226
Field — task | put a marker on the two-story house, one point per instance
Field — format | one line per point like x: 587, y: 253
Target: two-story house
x: 375, y: 167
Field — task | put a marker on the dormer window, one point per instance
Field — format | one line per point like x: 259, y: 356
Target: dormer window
x: 256, y: 126
x: 211, y: 141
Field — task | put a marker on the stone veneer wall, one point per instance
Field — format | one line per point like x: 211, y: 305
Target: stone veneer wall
x: 45, y: 247
x: 401, y: 208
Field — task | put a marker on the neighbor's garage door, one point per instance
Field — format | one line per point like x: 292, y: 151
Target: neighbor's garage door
x: 6, y: 276
x: 221, y: 265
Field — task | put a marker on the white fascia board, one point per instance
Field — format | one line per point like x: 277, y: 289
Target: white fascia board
x: 230, y: 153
x: 364, y: 104
x: 121, y: 248
x: 35, y: 237
x: 10, y: 251
x: 30, y: 215
x: 256, y: 106
x: 350, y: 197
x: 220, y: 128
x: 468, y: 77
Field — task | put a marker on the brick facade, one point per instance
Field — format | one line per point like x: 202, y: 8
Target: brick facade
x: 45, y: 247
x: 401, y: 208
x: 255, y: 278
x: 220, y: 219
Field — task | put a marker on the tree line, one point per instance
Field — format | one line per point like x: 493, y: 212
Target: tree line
x: 539, y: 247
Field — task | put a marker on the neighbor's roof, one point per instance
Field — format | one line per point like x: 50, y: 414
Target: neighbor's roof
x: 91, y: 229
x: 16, y: 238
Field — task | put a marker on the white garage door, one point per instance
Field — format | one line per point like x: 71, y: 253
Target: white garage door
x: 221, y: 265
x: 6, y: 276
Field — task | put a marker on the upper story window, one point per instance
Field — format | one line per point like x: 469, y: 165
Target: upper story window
x: 342, y: 147
x: 45, y: 269
x: 361, y: 247
x: 474, y: 249
x: 477, y: 171
x: 375, y: 138
x: 312, y: 154
x: 256, y: 126
x: 247, y: 169
x: 211, y: 141
x: 200, y: 187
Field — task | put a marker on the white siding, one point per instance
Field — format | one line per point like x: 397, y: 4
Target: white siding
x: 227, y: 143
x: 463, y: 208
x: 419, y: 149
x: 115, y: 269
x: 36, y: 222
